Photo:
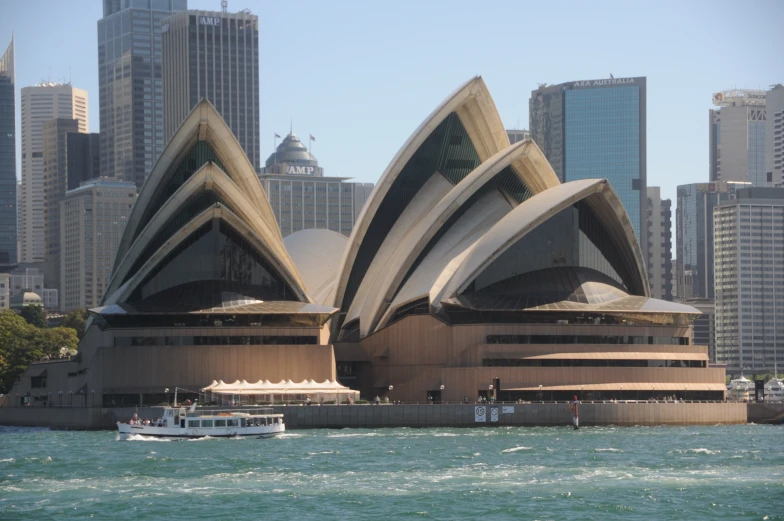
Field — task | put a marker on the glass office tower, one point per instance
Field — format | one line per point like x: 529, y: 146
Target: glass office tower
x: 214, y: 56
x: 130, y: 90
x: 694, y: 236
x: 596, y: 129
x: 8, y: 236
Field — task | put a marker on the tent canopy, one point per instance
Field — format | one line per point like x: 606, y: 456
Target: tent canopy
x: 282, y: 387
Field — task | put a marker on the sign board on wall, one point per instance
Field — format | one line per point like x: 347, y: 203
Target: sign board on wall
x: 479, y: 414
x: 300, y: 170
x: 507, y: 409
x: 214, y: 21
x: 493, y: 414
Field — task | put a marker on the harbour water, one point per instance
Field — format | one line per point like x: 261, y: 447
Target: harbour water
x: 547, y: 473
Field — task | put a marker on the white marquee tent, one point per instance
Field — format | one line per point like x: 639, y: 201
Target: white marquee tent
x: 328, y: 390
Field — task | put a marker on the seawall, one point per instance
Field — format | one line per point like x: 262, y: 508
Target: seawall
x: 439, y: 415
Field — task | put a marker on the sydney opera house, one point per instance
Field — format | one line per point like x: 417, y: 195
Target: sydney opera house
x: 472, y: 271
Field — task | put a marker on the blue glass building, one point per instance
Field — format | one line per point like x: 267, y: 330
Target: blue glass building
x: 8, y: 257
x: 596, y: 129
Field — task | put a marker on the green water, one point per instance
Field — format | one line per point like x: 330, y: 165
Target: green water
x: 650, y: 473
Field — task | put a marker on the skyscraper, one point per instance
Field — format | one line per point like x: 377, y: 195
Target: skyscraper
x: 8, y: 207
x: 129, y: 83
x: 594, y: 129
x: 774, y: 136
x: 737, y: 137
x: 92, y: 220
x: 213, y: 56
x: 750, y: 280
x: 302, y: 198
x: 55, y: 132
x: 659, y: 237
x: 40, y: 104
x: 516, y: 135
x: 694, y: 236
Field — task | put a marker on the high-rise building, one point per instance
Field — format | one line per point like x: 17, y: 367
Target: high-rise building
x: 129, y: 83
x: 774, y: 136
x: 737, y: 137
x: 704, y: 326
x: 82, y: 158
x: 5, y: 290
x: 694, y: 236
x: 302, y: 198
x: 749, y: 249
x: 92, y: 221
x: 70, y: 157
x: 659, y: 237
x: 40, y: 104
x: 596, y: 129
x: 55, y: 185
x: 516, y: 135
x: 8, y: 206
x: 214, y: 56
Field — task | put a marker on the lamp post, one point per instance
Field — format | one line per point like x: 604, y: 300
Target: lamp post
x: 166, y: 392
x: 489, y: 392
x: 441, y: 396
x: 391, y: 387
x: 540, y: 393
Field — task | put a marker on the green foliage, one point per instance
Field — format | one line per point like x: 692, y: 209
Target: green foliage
x: 22, y: 344
x: 76, y: 320
x: 34, y: 315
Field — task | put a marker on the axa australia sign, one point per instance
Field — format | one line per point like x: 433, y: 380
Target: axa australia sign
x: 605, y: 83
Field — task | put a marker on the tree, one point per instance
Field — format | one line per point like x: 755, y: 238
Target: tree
x: 76, y: 320
x: 34, y: 315
x: 17, y: 348
x: 51, y: 341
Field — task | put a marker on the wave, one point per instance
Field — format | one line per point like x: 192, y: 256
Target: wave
x: 700, y: 450
x: 515, y: 449
x: 139, y: 437
x: 607, y: 450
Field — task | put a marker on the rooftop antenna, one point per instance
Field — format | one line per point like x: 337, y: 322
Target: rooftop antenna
x: 224, y: 6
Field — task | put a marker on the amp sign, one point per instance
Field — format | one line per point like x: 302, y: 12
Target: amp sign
x: 214, y: 21
x: 300, y: 170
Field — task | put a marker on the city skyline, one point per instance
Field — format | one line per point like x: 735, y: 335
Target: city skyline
x: 326, y: 80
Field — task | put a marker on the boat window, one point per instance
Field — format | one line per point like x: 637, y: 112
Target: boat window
x: 193, y: 423
x: 206, y: 423
x: 231, y: 423
x: 242, y: 422
x: 220, y: 423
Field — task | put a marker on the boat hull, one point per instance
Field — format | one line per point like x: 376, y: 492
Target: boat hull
x: 266, y: 431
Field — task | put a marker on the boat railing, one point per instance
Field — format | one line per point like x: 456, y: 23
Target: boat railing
x: 223, y: 411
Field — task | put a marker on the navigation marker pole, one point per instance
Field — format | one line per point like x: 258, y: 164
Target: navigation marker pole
x: 573, y: 407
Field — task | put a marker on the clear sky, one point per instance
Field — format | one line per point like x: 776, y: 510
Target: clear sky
x: 361, y: 75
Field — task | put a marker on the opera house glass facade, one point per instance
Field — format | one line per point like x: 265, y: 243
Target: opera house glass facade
x: 471, y: 272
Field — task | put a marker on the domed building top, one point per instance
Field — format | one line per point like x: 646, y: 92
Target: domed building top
x: 292, y: 157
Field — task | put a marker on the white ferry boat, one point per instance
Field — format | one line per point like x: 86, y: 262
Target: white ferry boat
x: 774, y: 390
x: 179, y: 422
